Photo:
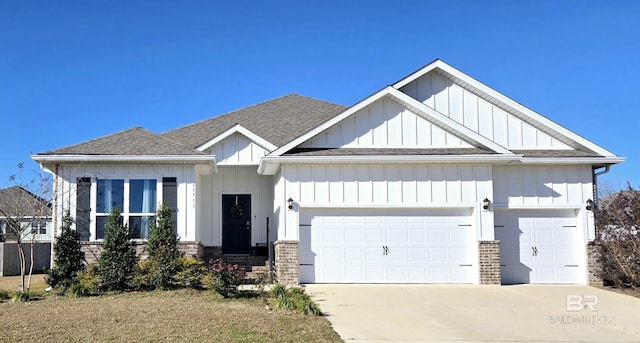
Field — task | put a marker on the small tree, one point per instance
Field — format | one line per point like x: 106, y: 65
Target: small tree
x: 22, y: 204
x: 69, y: 258
x: 118, y: 257
x: 618, y: 222
x: 162, y: 247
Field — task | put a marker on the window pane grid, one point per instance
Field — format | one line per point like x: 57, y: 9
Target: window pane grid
x: 136, y: 199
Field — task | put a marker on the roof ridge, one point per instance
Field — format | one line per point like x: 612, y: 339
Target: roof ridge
x: 219, y: 116
x: 169, y: 140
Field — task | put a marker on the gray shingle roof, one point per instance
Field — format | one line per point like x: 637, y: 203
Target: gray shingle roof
x: 381, y: 151
x: 17, y: 201
x: 279, y: 121
x: 555, y: 153
x: 135, y: 141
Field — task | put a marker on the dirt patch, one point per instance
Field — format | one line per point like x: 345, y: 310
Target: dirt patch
x: 634, y: 292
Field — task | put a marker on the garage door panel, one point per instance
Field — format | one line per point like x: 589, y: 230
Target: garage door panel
x: 332, y: 272
x: 417, y: 274
x: 354, y: 255
x: 373, y: 274
x: 458, y: 274
x: 566, y: 256
x: 396, y: 273
x: 395, y: 235
x: 439, y: 274
x: 357, y: 272
x: 374, y: 235
x: 374, y: 254
x: 459, y: 236
x: 418, y: 254
x: 380, y: 246
x: 460, y: 255
x: 416, y: 235
x: 395, y: 254
x: 438, y: 255
x: 330, y: 255
x: 352, y: 235
x: 537, y: 245
x: 437, y: 236
x: 332, y: 235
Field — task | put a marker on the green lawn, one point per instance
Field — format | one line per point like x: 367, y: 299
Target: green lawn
x: 169, y: 316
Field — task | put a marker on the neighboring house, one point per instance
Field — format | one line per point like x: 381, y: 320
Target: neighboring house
x: 436, y: 178
x: 32, y: 211
x: 34, y: 215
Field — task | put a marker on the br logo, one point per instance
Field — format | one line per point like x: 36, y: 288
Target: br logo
x: 577, y: 302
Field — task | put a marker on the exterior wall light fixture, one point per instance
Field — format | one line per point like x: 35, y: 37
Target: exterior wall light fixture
x: 589, y: 206
x: 486, y: 203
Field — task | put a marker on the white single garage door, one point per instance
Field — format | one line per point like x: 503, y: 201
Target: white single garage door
x: 539, y: 246
x: 387, y: 246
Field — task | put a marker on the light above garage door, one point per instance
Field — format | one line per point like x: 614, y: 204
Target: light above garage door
x: 387, y: 246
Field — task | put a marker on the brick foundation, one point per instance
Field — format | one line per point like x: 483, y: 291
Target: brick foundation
x: 594, y: 267
x: 489, y: 261
x: 92, y: 250
x: 287, y: 266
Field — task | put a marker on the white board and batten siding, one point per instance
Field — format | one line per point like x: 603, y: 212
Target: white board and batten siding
x: 186, y: 188
x: 385, y: 124
x: 233, y: 180
x: 539, y: 186
x: 479, y: 115
x: 237, y: 149
x: 418, y: 186
x: 387, y: 184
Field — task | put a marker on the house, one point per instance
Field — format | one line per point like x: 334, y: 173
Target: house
x: 436, y: 178
x: 31, y: 210
x: 34, y: 216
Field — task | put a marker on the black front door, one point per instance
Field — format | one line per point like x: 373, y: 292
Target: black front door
x: 236, y: 224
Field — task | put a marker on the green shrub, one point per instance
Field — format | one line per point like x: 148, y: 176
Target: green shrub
x: 4, y: 295
x: 191, y: 273
x: 118, y: 258
x: 162, y: 247
x: 69, y: 258
x: 279, y: 291
x: 294, y: 299
x: 88, y: 283
x: 140, y: 280
x: 226, y: 278
x: 20, y: 297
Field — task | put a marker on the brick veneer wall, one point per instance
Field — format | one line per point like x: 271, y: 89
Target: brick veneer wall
x: 92, y: 250
x: 489, y: 261
x: 594, y: 267
x: 287, y: 266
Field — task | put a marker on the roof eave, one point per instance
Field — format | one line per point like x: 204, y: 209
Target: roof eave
x: 126, y: 158
x: 596, y: 161
x: 270, y: 164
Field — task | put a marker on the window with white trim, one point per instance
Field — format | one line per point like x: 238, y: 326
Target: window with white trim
x: 136, y: 199
x: 39, y: 227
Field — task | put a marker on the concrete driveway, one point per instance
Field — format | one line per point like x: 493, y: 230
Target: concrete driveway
x: 473, y: 313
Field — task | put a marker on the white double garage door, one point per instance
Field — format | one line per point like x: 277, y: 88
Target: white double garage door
x: 433, y: 246
x: 387, y: 246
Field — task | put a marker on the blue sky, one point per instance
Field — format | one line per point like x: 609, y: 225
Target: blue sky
x: 71, y: 71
